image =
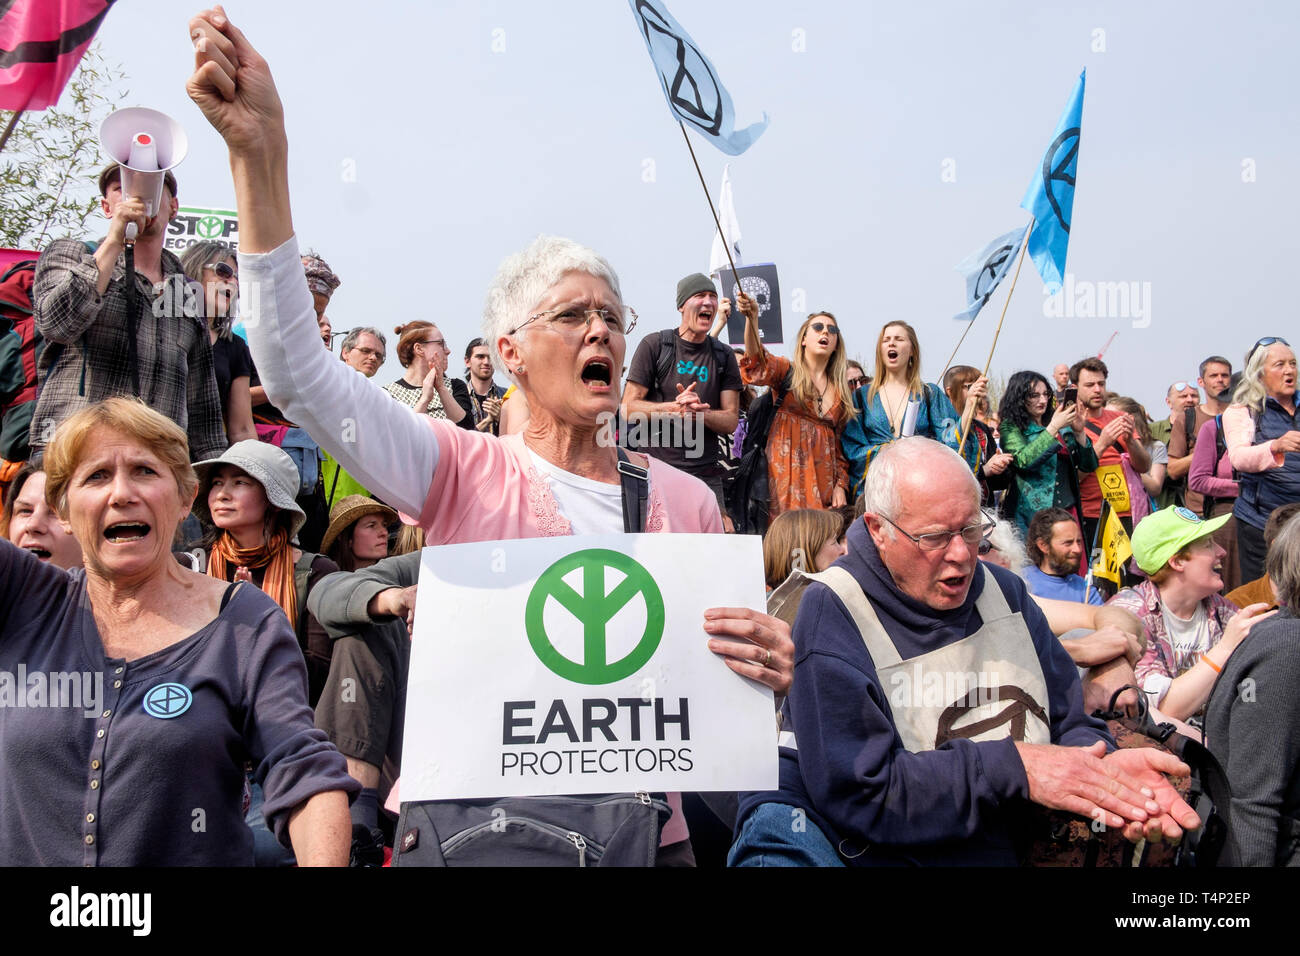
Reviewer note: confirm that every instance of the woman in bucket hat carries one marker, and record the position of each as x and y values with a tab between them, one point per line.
358	533
246	503
246	500
1191	628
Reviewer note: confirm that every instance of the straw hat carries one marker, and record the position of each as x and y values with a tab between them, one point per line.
351	509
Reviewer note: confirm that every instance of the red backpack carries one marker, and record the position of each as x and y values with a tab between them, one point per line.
20	348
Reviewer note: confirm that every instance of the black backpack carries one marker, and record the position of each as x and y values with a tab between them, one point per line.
1177	487
747	497
663	366
1220	449
668	354
1210	793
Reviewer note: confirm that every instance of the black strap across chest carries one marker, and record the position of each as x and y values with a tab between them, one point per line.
635	483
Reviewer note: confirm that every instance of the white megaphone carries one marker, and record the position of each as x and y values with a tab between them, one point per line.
146	144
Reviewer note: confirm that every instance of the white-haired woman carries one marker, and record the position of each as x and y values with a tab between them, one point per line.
1262	431
558	325
1004	547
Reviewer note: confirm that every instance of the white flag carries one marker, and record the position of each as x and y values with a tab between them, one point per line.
730	228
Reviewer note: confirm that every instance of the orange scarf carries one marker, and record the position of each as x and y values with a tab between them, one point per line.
276	555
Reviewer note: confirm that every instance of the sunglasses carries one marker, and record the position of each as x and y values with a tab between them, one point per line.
825	327
1265	343
223	269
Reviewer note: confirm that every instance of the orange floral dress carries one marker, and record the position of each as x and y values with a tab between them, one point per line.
805	463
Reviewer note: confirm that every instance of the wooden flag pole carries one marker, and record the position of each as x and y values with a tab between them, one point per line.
1019	262
947	365
716	221
13	121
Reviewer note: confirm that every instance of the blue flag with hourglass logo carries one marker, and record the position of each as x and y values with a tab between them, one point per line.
1050	196
690	83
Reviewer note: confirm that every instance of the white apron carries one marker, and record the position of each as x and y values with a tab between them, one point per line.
987	686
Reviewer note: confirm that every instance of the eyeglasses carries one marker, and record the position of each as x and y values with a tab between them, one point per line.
1265	343
441	343
1179	386
569	319
939	540
824	327
368	352
223	269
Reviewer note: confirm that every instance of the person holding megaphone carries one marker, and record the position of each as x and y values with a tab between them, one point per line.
109	310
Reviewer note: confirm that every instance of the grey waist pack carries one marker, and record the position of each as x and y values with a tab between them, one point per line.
618	829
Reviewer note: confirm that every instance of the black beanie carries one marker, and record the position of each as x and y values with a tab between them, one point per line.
694	283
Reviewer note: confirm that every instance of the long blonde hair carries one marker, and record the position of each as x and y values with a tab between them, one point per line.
1250	390
914	384
409	538
837	372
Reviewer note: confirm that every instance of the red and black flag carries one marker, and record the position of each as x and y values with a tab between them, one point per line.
41	42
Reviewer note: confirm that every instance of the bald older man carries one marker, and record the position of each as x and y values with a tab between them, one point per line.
931	701
1061	374
1182	397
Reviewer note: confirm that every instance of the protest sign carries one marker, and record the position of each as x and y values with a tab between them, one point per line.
200	224
1113	547
574	665
759	282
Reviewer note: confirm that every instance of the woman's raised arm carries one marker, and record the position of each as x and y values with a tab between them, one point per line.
376	439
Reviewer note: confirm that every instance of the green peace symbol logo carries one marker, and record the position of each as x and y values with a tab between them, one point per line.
595	609
209	227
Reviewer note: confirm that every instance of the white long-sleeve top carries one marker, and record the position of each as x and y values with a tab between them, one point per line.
380	442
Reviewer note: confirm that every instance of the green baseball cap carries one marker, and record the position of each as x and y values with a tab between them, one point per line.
1162	534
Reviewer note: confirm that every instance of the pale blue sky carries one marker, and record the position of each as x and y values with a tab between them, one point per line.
462	154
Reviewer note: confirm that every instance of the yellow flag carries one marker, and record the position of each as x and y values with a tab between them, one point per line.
1115	549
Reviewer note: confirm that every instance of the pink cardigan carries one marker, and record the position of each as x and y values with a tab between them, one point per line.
1239	434
1208	477
487	489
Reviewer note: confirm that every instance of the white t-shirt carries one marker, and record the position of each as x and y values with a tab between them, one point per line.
1189	639
591	507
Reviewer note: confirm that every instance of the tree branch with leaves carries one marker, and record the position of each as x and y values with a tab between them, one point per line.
48	167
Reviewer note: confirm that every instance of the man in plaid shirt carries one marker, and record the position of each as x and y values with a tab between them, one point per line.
80	300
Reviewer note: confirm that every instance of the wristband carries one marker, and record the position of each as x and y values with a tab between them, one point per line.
1217	668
